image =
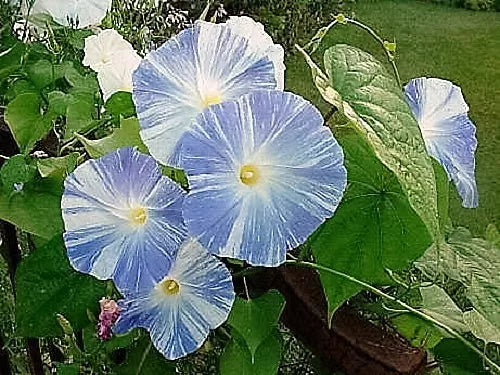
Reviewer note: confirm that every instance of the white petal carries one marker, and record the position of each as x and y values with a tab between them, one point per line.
100	49
117	75
87	12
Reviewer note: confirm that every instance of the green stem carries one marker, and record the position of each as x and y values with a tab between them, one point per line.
411	309
143	359
316	40
372	32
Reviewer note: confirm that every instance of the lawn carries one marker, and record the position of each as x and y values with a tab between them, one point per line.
436	41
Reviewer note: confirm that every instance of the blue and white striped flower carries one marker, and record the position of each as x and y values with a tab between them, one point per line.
183	305
449	134
201	66
123	218
264	174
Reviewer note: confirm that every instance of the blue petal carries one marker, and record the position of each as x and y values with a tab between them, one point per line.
179	324
449	134
100	237
302	176
172	84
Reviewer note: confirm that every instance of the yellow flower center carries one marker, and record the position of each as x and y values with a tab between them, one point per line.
138	215
249	174
209	100
170	287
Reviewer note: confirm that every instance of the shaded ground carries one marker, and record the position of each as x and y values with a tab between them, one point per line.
435	40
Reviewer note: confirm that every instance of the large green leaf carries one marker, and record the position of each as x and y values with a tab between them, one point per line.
79	115
26	121
439	305
58	102
443	194
36	208
120	104
126	135
475	263
16	172
237	360
481	327
362	89
81	109
10	59
457	359
60	166
419	332
255	319
41	73
94	345
144	359
374	227
46	285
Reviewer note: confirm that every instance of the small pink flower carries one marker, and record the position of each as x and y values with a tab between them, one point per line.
110	311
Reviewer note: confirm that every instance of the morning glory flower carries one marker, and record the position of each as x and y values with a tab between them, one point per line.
254	31
181	307
123	218
114	59
201	66
264	173
100	49
117	76
84	12
449	134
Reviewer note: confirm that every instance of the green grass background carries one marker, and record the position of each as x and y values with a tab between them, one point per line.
436	41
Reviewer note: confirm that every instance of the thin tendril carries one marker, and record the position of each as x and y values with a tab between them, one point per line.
246	288
316	40
372	32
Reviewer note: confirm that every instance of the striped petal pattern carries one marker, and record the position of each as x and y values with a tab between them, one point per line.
181	307
201	66
123	219
449	134
254	31
264	174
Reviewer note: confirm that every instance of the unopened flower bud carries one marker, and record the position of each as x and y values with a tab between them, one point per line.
110	311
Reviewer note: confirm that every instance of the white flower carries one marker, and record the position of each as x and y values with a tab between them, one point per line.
82	12
99	49
117	75
113	58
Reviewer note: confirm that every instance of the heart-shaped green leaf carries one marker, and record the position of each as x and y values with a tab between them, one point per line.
126	135
256	318
237	360
46	285
36	208
26	121
362	89
374	227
